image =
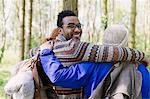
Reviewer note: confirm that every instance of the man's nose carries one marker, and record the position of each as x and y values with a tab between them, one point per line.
77	30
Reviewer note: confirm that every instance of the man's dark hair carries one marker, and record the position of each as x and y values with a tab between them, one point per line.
63	14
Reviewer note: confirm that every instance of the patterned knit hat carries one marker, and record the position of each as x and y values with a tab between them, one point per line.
116	35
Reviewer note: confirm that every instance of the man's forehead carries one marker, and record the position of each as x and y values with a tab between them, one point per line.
71	19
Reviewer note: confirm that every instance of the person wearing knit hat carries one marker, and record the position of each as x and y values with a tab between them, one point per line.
117	35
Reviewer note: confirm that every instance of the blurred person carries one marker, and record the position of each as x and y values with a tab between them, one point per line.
120	77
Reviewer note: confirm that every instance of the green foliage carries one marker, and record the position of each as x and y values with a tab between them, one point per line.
35	42
104	22
4	76
10	58
149	68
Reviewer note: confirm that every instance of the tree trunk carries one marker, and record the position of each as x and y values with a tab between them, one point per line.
148	3
133	23
105	14
88	23
112	12
71	5
40	20
22	30
3	42
29	29
146	25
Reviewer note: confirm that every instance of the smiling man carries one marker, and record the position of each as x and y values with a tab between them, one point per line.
84	74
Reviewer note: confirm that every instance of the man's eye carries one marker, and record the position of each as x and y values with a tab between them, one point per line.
71	26
79	25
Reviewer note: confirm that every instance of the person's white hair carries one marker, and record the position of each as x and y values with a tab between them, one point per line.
116	35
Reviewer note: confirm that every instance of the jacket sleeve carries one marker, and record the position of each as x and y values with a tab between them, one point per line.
74	51
72	77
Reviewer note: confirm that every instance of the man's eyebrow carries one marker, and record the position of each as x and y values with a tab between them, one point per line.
71	23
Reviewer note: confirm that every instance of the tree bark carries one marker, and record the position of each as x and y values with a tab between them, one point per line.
40	20
71	5
133	23
105	14
29	29
22	30
2	49
146	25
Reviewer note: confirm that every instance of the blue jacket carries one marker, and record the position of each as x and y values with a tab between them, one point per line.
145	81
84	74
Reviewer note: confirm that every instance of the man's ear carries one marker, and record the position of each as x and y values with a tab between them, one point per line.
60	30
